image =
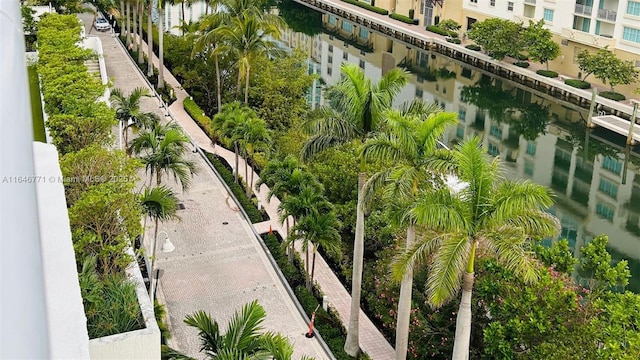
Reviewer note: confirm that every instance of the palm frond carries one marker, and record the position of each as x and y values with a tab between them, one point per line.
244	327
446	269
438	210
208	331
425	246
512	248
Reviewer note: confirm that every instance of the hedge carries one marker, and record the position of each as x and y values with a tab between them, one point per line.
613	95
454	41
404	19
474	47
547	73
328	324
252	211
368	7
198	115
522	64
521	57
577	83
438	30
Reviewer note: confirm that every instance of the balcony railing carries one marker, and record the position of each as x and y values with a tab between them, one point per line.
608	15
588	39
583	9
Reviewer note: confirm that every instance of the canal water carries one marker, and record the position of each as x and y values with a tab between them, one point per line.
596	178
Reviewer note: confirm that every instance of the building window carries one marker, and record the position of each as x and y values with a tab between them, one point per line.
548	15
419	79
444	89
608	188
364	33
633	8
492	3
495	131
631	34
330	48
332	20
345	55
528	167
329	70
437	87
330	59
531	148
462	113
419	93
460	132
347	26
604	211
362	64
613	165
509	6
473	1
493	150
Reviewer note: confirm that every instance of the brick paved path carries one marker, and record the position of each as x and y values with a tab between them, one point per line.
218	264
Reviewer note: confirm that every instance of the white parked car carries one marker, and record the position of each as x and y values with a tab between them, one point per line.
102	24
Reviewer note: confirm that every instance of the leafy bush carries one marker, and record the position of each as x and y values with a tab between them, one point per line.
577	83
454	40
199	116
404	19
522	64
249	207
521	57
368	7
474	47
547	73
438	30
613	95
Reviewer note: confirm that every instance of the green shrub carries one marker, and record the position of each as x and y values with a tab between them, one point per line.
613	95
474	47
404	19
576	83
522	64
198	115
438	30
249	207
547	73
521	57
412	12
368	7
454	40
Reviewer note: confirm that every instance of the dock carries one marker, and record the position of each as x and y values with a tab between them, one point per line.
618	125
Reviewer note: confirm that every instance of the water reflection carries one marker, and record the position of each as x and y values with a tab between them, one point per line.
538	137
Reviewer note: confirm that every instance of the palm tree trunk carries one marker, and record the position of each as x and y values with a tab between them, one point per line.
251	182
135	25
158	178
206	7
291	248
404	304
235	173
121	20
246	86
125	133
352	346
150	40
153	261
306	268
160	46
239	85
140	25
183	22
128	23
246	171
463	319
313	266
218	84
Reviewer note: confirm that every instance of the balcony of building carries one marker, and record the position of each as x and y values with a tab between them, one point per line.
583	37
607	10
584	8
532	2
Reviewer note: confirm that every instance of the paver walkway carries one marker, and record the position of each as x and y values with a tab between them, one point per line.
218	264
371	340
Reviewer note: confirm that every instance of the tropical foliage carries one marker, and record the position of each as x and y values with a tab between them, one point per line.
607	67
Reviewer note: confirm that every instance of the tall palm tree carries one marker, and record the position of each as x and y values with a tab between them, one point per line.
140	4
229	123
356	106
409	142
128	16
134	20
128	111
318	229
243	339
150	38
160	44
209	42
163	150
247	38
497	215
254	137
160	204
286	178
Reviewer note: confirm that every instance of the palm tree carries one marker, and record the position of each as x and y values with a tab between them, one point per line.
247	38
159	204
162	150
357	104
150	38
160	44
409	142
128	111
243	339
229	123
498	215
140	4
319	229
210	42
286	178
255	137
134	20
